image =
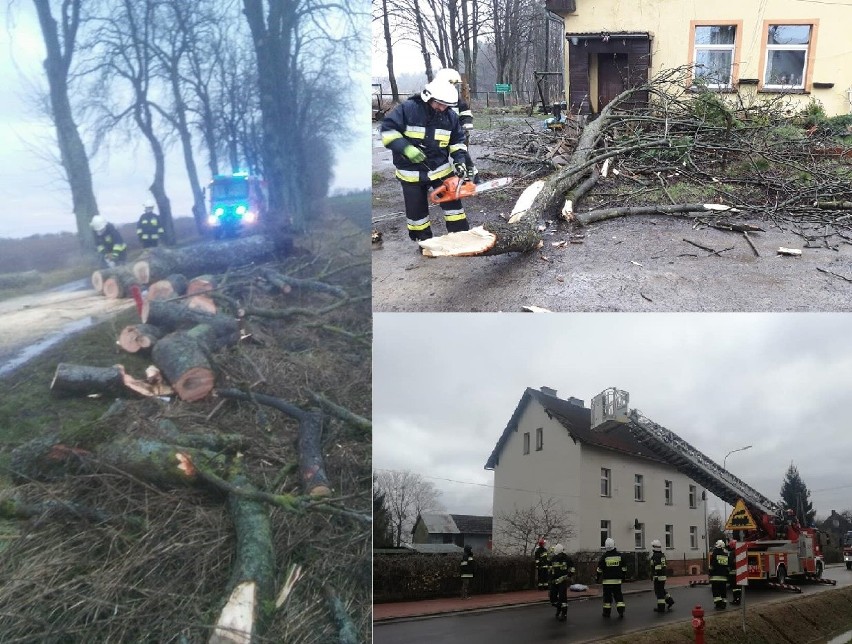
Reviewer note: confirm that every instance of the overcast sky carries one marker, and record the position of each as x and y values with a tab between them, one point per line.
35	197
445	386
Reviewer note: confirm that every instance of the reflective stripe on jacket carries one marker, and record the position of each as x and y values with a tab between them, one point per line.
612	567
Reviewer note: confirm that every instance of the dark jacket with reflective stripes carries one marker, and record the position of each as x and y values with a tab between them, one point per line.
466	565
110	241
561	568
612	567
148	226
542	558
719	565
658	566
465	115
437	134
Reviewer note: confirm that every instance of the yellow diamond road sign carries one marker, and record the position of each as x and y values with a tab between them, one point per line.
740	518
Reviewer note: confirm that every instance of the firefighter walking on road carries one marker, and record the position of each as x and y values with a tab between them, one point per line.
428	146
542	565
719	570
612	568
466	571
148	228
561	570
658	568
736	591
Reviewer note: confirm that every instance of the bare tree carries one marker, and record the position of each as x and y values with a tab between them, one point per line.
60	41
715	528
386	30
521	528
406	495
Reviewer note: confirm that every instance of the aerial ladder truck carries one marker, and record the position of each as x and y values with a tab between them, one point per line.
779	549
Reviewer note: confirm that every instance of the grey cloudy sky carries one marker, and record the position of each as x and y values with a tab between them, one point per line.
33	193
445	385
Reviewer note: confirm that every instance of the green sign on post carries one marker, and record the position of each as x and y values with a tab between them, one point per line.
503	88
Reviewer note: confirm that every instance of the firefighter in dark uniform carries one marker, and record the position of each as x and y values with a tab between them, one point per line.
542	564
719	570
466	571
612	569
561	571
148	228
736	591
465	117
108	242
428	146
658	568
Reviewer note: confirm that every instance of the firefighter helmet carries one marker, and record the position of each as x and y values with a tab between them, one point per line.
720	544
609	544
148	205
542	542
98	224
656	545
558	549
448	74
440	91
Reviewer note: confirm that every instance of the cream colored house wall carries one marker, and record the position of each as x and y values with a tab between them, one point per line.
669	24
570	472
521	480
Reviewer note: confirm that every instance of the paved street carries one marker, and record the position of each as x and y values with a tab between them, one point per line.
536	622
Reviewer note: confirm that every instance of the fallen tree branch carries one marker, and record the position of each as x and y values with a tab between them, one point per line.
345	628
823	270
364	424
592	216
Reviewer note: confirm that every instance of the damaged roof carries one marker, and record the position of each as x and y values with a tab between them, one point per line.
576	420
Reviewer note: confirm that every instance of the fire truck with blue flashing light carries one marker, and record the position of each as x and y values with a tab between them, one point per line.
237	204
779	549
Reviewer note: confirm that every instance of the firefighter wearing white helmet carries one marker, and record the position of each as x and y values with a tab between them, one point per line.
108	242
612	568
428	146
658	572
719	570
561	571
465	116
148	227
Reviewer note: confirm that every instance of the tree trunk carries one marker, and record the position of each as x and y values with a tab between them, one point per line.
172	286
118	284
81	380
175	315
389	49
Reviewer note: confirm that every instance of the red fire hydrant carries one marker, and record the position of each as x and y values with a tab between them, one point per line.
698	624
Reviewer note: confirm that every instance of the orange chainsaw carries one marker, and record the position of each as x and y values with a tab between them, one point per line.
455	187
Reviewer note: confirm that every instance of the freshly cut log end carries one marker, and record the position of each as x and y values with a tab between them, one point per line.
139	337
236	621
202	303
195	383
201	284
475	241
182	361
118	285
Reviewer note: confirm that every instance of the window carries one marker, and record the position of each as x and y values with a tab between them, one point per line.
693	496
669	536
539	439
786	56
714	55
604	532
526	442
605	482
639	488
639	536
693	537
669	493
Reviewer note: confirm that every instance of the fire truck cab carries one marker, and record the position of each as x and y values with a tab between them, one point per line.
237	204
847	550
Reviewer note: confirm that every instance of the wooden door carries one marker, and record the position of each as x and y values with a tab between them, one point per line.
612	77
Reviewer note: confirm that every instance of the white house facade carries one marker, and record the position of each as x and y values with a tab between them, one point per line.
609	485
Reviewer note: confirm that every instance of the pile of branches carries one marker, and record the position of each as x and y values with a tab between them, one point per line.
109	551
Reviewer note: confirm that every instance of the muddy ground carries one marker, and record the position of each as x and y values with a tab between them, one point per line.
639	263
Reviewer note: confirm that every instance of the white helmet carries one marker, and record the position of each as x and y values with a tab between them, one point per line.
719	544
148	205
558	549
609	544
656	545
441	91
448	74
98	223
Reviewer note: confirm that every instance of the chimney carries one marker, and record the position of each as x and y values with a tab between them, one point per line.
548	391
576	401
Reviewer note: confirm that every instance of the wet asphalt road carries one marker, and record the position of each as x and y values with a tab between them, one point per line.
537	623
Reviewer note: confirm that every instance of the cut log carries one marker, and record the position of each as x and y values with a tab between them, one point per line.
207	257
81	380
586	218
203	303
139	337
181	356
236	621
101	275
173	316
201	284
117	286
165	289
494	238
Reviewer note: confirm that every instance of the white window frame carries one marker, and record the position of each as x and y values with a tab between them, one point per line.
669	492
639	537
693	496
669	536
638	487
716	47
539	439
526	443
771	48
606	482
693	537
606	531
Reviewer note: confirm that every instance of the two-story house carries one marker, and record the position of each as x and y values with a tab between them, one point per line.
606	482
764	49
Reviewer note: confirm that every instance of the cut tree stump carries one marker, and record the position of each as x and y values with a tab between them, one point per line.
198	259
139	337
165	289
118	284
